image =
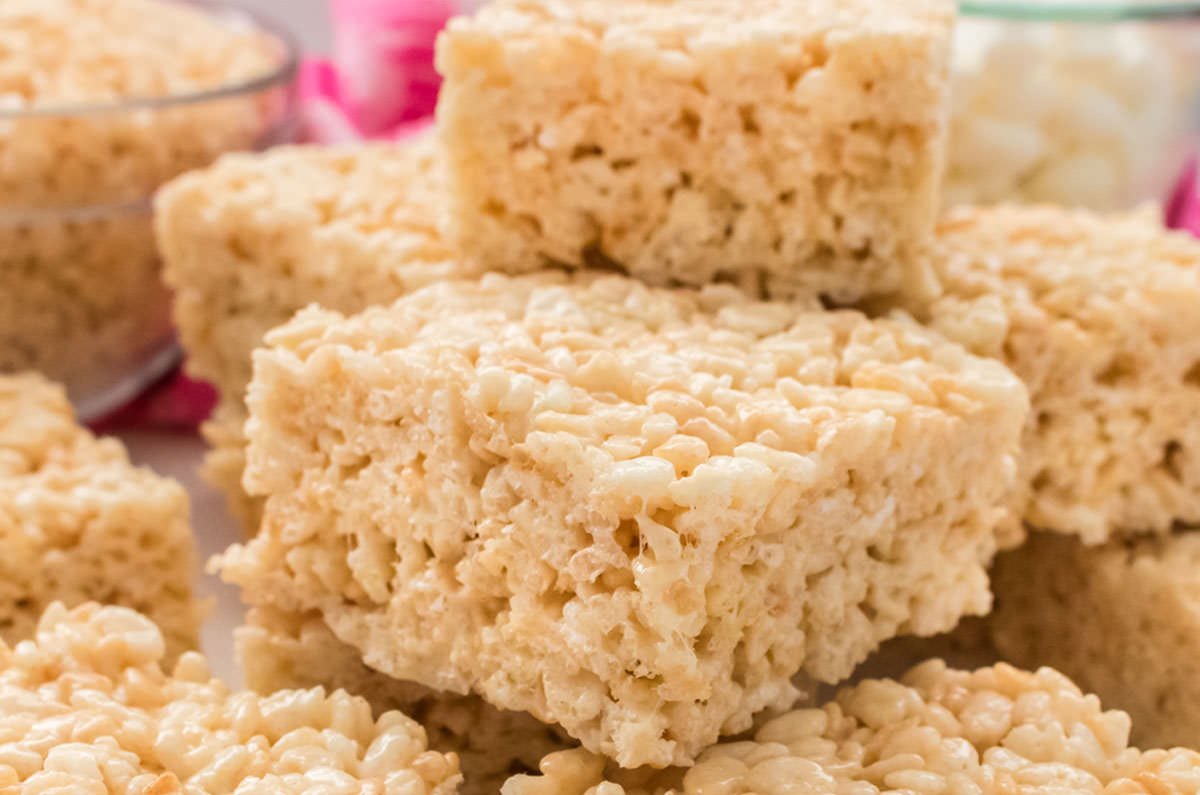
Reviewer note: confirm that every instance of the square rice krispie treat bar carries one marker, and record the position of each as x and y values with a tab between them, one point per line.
90	709
78	522
295	651
632	512
253	239
1098	315
787	146
1122	619
996	730
81	298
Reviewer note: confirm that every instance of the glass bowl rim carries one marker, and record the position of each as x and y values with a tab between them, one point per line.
283	73
1062	11
1066	11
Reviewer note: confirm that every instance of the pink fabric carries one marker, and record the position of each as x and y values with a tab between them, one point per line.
380	83
1183	208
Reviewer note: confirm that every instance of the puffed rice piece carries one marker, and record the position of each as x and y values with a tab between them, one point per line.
632	512
1097	314
88	708
255	238
793	147
1121	619
291	651
78	522
995	731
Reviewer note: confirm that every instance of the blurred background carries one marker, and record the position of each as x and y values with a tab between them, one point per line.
308	19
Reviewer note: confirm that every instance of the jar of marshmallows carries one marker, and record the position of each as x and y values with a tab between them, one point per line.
102	101
1090	104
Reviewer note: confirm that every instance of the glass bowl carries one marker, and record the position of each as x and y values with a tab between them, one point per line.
1087	104
81	294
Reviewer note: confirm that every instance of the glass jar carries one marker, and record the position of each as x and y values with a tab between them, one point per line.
1089	104
81	294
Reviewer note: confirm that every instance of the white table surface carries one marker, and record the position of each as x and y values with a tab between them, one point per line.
179	456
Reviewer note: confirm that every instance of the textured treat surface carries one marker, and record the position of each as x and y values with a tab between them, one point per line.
88	708
79	523
1097	315
793	147
253	239
632	512
289	651
1122	619
995	731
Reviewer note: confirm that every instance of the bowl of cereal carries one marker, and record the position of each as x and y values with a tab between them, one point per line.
101	102
1089	104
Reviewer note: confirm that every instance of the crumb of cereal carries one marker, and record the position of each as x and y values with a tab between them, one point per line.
1097	314
78	522
790	147
292	651
630	511
995	730
90	708
253	239
1120	619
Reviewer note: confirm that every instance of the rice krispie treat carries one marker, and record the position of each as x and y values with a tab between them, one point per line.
794	147
81	298
632	512
996	730
78	522
255	238
1122	619
291	651
1097	314
89	708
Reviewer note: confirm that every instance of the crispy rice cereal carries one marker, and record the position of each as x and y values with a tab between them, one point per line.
61	54
89	709
787	146
1122	619
78	522
80	293
280	650
1097	314
632	512
81	298
255	238
992	732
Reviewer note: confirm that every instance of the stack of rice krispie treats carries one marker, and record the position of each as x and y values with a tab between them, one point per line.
593	425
